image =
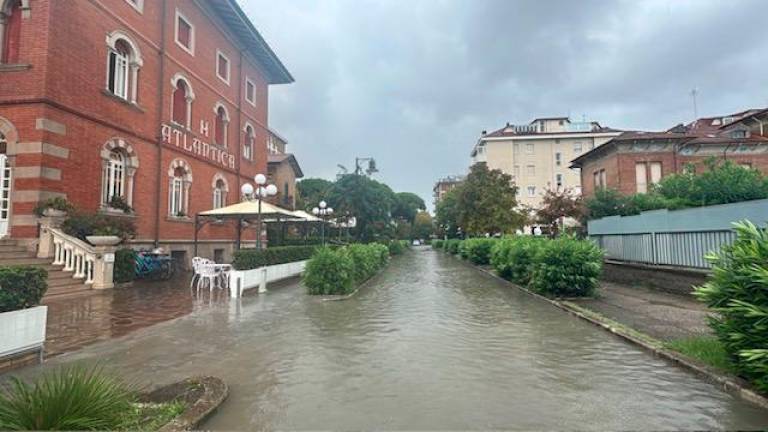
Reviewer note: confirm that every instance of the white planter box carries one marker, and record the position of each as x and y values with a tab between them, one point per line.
22	330
240	281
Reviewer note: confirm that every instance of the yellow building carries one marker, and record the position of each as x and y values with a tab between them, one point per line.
538	155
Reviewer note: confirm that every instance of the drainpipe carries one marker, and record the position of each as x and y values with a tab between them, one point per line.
161	107
238	149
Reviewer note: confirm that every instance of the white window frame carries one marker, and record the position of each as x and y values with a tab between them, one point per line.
132	63
529	148
558	158
137	4
120	81
247	82
176	200
530	170
191	48
114	178
531	191
249	144
225	137
220	54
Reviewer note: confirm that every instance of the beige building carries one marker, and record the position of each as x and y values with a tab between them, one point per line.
538	155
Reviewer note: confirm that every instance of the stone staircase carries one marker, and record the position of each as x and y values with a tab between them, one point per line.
60	283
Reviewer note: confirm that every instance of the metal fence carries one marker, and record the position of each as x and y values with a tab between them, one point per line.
680	238
680	249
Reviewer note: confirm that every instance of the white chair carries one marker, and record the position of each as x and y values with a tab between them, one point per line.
196	263
207	273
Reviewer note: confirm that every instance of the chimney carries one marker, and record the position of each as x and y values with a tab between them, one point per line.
484	132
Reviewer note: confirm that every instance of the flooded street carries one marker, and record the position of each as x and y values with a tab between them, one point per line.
429	344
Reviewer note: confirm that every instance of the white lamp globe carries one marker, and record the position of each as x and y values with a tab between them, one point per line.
271	190
260	179
323	204
246	189
315	211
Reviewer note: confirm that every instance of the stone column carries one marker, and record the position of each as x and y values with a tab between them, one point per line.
45	246
104	267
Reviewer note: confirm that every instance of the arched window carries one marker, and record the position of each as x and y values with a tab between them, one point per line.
221	125
119	164
10	30
249	139
181	101
123	64
180	180
220	189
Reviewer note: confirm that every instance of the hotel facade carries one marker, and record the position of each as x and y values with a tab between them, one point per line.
158	104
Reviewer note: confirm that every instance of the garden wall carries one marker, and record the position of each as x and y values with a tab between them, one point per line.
679	238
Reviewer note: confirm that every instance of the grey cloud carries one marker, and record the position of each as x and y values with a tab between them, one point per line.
412	83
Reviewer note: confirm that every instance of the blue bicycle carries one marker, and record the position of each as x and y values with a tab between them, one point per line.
154	265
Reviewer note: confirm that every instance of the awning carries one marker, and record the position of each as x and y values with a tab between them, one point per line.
247	209
306	216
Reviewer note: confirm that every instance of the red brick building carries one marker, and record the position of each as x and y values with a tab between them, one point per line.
161	104
633	161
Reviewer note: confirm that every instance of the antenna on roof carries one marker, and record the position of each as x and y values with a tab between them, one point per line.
695	92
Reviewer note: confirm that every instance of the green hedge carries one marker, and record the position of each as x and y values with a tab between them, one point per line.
339	271
513	258
125	265
247	259
738	294
478	250
21	287
437	244
452	246
397	247
567	267
564	267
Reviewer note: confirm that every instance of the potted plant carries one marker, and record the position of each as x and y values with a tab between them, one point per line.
119	203
53	207
22	319
104	236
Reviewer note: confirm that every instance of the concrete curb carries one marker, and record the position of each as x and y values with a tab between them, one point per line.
729	383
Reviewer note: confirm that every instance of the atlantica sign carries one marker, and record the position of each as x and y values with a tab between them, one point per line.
182	140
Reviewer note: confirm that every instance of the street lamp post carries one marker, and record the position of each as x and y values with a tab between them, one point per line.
262	190
322	211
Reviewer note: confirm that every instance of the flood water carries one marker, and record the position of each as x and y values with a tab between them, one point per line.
430	344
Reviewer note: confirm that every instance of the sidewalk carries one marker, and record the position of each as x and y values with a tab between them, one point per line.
659	314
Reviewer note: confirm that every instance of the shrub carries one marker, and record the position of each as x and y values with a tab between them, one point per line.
478	250
70	398
82	225
247	259
452	246
21	287
329	272
396	247
513	257
738	292
437	244
57	203
119	203
125	265
566	267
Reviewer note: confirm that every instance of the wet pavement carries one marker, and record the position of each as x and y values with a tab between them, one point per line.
431	343
663	315
76	322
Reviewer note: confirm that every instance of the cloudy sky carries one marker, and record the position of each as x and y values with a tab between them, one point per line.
413	82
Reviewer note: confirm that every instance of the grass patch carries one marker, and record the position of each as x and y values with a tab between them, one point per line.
151	416
706	349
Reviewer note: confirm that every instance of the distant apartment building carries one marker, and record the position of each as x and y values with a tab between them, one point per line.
633	161
282	170
537	155
444	185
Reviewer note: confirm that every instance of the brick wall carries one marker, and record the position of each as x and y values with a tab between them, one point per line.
63	115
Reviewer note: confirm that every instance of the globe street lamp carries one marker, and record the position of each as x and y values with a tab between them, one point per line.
261	191
322	211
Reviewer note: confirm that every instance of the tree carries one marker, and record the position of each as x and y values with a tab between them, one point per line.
369	201
311	192
556	205
422	226
406	206
486	202
447	213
